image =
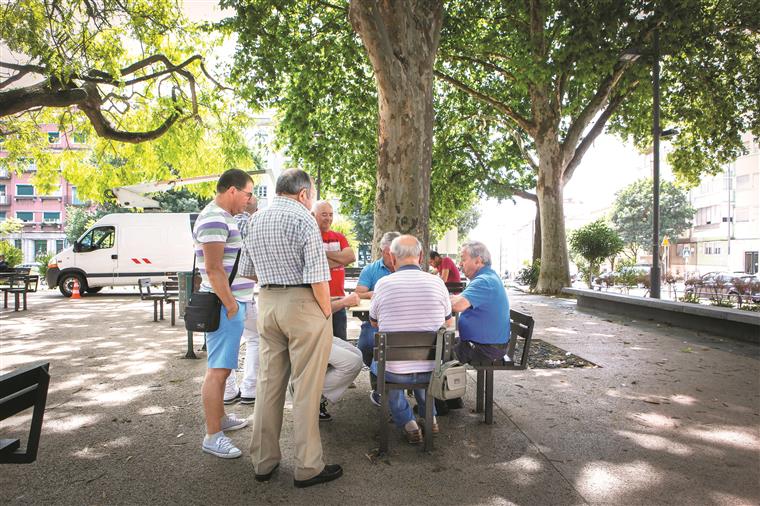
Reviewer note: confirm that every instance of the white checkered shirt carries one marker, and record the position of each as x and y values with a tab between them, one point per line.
283	246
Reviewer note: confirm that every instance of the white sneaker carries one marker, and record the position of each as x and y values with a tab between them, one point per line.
232	422
222	448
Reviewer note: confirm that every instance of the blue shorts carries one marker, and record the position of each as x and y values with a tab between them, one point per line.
223	344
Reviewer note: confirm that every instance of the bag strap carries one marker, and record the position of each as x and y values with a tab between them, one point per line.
233	273
439	349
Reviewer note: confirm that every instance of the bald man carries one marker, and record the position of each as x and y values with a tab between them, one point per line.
339	255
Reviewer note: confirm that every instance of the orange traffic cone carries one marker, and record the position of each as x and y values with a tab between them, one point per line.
75	290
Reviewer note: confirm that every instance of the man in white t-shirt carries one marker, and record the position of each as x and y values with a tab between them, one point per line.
408	300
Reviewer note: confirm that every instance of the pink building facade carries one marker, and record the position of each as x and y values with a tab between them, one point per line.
44	216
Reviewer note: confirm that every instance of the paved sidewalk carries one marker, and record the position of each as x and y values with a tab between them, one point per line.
668	417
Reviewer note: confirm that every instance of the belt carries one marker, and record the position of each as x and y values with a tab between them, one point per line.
285	286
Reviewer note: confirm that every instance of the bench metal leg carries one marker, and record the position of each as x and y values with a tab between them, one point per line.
5	302
190	353
429	402
489	397
155	310
15	301
24	301
161	305
384	414
479	391
173	320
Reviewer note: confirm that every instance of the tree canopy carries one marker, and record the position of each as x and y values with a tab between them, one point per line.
126	82
524	88
632	213
593	243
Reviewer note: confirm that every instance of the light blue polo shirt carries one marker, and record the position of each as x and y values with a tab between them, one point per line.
487	320
372	273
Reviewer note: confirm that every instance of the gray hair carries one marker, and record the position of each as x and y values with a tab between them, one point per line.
477	249
387	239
320	203
292	181
412	250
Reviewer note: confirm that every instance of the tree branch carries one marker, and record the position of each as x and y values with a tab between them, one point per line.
485	64
585	144
523	123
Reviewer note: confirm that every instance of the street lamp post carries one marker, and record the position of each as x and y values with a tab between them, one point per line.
654	291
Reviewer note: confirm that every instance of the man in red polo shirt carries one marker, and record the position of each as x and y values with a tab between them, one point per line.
447	269
339	254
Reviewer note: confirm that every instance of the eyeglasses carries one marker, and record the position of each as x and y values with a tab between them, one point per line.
250	194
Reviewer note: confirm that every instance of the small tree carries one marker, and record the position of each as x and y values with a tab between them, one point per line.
12	255
11	226
632	214
593	243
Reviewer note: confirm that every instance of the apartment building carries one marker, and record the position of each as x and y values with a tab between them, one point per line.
725	235
43	216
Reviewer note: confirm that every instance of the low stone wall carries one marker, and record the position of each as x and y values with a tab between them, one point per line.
727	322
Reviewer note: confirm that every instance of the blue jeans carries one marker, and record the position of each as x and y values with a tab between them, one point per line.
367	342
401	411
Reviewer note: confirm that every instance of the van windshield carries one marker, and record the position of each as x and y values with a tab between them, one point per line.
97	238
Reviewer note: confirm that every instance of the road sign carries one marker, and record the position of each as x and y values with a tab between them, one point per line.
686	253
665	241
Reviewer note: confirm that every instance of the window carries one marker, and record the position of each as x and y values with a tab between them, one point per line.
59	245
27	164
24	190
75	198
260	191
2	215
2	189
25	216
51	217
79	138
54	137
40	247
17	243
97	238
712	248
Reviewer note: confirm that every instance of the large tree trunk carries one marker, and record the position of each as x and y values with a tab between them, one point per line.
401	38
537	234
555	272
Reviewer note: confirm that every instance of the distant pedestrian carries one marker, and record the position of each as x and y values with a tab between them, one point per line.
447	269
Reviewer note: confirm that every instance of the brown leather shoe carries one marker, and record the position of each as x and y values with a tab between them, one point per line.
421	423
413	437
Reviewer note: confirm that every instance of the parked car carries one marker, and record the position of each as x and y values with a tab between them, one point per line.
750	287
628	275
717	285
34	267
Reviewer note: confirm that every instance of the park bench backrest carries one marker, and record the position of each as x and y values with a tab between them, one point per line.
521	328
456	286
353	272
21	389
390	346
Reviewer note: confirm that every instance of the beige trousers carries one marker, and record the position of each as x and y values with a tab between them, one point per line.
295	341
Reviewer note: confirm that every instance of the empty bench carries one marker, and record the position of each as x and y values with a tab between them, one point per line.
21	389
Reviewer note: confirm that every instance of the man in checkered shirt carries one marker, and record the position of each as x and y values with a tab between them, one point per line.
283	250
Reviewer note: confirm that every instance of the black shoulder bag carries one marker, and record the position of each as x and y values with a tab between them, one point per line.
203	311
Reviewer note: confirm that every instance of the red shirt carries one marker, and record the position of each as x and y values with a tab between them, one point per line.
335	241
447	263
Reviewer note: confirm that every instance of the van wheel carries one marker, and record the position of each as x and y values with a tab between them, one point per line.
94	289
66	284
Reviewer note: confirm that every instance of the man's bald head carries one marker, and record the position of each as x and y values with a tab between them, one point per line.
323	212
406	250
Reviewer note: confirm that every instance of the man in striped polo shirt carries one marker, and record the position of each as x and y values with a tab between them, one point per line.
408	300
217	243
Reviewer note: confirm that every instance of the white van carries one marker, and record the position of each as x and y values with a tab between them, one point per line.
121	248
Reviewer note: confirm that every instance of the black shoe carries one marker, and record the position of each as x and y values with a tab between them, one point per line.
233	400
441	408
324	416
248	400
329	473
266	477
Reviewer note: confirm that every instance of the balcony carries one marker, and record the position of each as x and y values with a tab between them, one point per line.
5	174
4	200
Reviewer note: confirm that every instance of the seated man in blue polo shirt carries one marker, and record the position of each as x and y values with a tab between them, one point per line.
370	275
484	309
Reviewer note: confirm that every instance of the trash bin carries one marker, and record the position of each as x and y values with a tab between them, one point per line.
185	284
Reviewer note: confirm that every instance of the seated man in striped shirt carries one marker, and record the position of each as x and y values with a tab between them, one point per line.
408	300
